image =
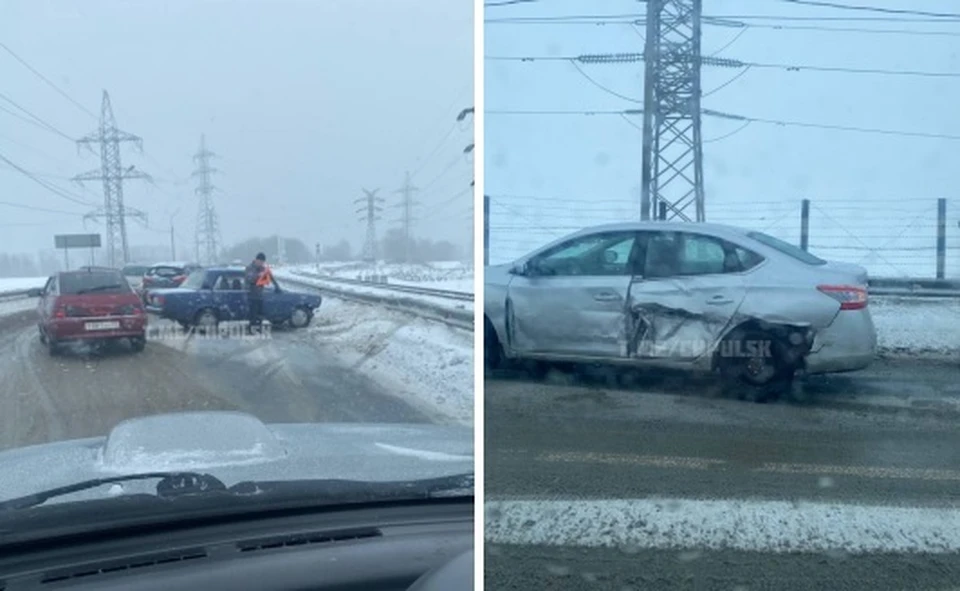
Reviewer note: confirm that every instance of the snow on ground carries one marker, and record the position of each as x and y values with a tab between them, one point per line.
449	275
748	525
9	307
917	326
21	283
435	301
429	364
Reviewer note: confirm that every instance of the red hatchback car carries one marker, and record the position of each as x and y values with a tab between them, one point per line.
93	304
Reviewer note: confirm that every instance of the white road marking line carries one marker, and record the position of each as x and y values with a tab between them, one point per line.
638	460
864	471
755	526
694	463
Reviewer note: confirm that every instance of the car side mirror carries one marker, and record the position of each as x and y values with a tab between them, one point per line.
520	269
36	292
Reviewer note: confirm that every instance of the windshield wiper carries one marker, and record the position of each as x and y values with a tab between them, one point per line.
180	484
98	288
171	484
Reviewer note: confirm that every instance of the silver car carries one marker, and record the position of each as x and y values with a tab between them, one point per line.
702	297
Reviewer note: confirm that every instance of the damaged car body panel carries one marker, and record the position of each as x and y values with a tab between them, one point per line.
678	294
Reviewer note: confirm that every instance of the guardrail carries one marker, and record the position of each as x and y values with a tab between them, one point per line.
427	291
15	294
461	318
916	288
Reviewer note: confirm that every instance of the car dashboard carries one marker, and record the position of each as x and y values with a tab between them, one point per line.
416	547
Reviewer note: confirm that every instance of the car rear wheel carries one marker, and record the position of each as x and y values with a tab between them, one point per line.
207	320
300	318
52	347
492	349
753	366
43	337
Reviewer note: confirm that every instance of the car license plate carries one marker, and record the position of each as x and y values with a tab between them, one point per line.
102	325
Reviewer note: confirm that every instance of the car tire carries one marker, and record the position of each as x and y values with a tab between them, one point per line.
492	349
43	337
206	320
138	344
52	347
756	378
300	318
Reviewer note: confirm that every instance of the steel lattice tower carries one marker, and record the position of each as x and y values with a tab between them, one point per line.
370	213
672	151
112	174
406	219
208	226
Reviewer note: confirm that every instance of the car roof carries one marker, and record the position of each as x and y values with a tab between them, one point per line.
174	264
89	269
661	226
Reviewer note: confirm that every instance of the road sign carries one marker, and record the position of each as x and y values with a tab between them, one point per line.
77	241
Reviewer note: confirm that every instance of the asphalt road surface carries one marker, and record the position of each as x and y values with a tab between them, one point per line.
290	377
663	485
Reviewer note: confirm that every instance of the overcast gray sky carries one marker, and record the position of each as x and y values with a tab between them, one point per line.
305	102
874	194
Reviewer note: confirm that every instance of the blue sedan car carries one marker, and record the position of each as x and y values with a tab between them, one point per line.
210	296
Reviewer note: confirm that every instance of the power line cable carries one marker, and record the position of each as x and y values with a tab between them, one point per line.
628	57
42	209
718	114
877	9
53	189
47	80
39	120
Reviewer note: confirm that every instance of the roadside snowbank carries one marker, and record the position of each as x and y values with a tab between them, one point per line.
450	275
429	364
20	283
434	301
917	327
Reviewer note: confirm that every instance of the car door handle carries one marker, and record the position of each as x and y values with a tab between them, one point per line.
606	297
719	300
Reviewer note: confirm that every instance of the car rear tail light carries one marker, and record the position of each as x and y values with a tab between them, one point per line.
131	310
179	278
60	312
849	296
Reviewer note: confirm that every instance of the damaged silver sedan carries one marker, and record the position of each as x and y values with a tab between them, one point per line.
702	297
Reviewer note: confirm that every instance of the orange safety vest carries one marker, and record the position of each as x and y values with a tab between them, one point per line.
265	277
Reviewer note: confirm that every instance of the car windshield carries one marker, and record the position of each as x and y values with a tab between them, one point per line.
721	294
786	248
99	282
148	149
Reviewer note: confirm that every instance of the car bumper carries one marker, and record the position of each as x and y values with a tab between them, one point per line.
849	343
70	329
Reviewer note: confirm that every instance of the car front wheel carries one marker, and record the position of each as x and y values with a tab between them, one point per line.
300	318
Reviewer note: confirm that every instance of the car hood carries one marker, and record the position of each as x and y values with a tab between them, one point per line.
237	447
497	274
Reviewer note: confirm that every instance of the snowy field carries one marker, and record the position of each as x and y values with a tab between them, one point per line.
929	327
449	275
20	283
435	301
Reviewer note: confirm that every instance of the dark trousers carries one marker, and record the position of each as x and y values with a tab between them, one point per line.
256	311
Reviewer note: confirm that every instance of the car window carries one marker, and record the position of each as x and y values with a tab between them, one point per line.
747	258
93	282
596	254
679	254
166	271
194	280
229	282
786	248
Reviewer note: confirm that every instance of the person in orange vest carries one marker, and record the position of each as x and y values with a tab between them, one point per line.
257	276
